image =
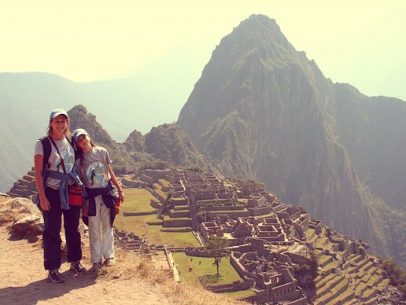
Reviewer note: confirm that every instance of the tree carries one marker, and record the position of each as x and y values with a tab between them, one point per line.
217	247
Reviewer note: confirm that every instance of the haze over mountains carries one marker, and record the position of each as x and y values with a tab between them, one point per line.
120	105
167	143
260	110
263	110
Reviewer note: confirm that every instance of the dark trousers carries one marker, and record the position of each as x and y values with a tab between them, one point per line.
52	228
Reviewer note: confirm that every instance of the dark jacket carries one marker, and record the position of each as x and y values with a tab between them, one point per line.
109	200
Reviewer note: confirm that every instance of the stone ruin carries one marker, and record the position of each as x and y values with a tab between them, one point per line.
24	187
131	242
267	238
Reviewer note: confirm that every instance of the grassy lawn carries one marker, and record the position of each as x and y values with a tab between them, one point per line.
341	285
137	224
368	293
164	182
375	278
333	264
177	239
158	189
137	200
383	284
360	288
323	258
181	208
168	218
324	280
321	242
341	297
206	268
310	233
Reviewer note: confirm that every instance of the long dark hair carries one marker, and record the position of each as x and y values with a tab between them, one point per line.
79	152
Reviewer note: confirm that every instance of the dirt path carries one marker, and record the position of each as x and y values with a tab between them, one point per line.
23	281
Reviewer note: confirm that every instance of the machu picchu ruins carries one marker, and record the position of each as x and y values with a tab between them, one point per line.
280	254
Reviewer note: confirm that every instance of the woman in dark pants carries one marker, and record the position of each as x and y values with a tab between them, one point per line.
54	161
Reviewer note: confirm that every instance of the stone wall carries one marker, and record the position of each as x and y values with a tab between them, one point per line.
260	211
177	222
156	173
134	184
156	194
234	286
284	292
233	214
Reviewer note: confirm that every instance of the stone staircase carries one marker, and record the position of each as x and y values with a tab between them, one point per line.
24	187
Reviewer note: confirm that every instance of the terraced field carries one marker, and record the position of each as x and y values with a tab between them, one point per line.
149	226
357	280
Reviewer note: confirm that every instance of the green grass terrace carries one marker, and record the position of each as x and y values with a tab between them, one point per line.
204	269
149	226
137	200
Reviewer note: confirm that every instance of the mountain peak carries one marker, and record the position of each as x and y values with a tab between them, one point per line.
258	21
79	108
262	32
81	118
254	49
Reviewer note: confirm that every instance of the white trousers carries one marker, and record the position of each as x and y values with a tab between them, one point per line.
101	233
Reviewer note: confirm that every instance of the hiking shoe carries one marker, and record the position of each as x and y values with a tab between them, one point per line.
96	268
55	277
109	262
77	267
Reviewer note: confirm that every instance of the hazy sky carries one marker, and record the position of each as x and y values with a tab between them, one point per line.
362	42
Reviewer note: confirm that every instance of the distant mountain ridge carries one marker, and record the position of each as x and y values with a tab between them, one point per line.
121	105
263	110
165	143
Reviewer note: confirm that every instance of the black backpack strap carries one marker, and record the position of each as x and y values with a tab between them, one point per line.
46	146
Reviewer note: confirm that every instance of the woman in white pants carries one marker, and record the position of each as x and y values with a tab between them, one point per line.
98	177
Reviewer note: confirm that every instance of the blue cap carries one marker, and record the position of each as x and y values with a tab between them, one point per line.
56	112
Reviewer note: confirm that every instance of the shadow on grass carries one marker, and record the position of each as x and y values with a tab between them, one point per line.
208	279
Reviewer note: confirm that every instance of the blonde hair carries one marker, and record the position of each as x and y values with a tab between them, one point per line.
67	131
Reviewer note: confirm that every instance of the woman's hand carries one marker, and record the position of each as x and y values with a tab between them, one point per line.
44	203
121	195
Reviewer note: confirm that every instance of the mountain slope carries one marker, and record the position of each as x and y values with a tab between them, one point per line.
170	143
26	101
372	131
263	110
121	105
166	143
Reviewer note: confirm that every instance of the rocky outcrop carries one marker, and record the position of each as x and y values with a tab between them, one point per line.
22	217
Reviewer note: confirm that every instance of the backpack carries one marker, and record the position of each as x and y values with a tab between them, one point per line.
46	146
